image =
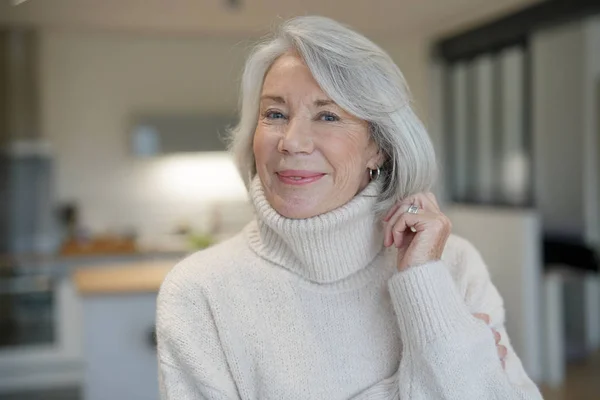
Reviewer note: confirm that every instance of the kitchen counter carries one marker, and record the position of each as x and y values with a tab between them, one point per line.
131	277
60	266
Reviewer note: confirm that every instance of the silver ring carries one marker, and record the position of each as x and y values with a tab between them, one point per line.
413	209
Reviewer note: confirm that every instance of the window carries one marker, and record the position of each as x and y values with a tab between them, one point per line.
485	111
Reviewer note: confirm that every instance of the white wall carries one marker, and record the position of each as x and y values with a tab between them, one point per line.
92	83
512	253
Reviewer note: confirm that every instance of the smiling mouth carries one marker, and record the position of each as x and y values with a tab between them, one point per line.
299	177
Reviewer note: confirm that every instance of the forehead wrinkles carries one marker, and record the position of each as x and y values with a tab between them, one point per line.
290	80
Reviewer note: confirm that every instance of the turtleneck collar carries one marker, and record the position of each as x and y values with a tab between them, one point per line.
322	249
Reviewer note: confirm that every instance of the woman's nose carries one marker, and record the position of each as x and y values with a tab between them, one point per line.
296	138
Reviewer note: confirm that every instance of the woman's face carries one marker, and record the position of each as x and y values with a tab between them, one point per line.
311	155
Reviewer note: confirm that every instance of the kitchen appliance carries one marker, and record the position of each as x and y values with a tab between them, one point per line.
163	134
39	321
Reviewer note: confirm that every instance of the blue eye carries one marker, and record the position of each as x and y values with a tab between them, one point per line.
328	117
274	115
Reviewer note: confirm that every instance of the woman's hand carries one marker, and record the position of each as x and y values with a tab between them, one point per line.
502	350
430	232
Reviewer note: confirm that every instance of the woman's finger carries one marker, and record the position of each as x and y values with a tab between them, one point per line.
407	221
419	222
433	201
393	226
484	317
399	231
430	230
389	225
502	351
428	202
424	219
497	336
423	201
391	212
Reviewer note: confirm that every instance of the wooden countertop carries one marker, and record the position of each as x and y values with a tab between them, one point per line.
131	277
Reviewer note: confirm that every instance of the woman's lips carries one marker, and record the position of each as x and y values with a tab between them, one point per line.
296	177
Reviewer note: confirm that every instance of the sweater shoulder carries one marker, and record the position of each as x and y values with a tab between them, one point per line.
212	266
472	278
464	260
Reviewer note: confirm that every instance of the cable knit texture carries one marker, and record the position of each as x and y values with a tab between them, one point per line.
315	309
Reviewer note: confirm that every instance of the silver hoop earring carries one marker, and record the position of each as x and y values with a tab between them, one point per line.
374	173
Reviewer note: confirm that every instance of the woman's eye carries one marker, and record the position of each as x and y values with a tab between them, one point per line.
274	115
328	117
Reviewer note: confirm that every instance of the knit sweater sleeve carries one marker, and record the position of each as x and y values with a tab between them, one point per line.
192	363
448	353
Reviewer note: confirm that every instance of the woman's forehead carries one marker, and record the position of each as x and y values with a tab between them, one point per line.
289	78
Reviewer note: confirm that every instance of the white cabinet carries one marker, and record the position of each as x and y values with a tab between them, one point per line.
119	353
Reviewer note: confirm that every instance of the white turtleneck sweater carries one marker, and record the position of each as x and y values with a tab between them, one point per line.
316	309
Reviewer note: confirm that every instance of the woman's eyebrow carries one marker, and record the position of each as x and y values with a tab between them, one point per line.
324	102
276	99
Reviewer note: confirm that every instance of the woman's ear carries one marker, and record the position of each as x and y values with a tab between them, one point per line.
376	161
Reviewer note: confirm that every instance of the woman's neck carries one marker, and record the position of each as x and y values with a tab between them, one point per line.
323	249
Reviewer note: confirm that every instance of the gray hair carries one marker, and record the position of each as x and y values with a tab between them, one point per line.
362	79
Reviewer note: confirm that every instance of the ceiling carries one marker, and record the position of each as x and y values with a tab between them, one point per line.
252	17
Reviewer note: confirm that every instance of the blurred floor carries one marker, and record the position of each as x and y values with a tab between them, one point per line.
582	383
55	394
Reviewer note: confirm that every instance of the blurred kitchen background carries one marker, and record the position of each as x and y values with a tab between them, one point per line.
113	167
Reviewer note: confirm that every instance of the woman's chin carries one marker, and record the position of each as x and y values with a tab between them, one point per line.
298	213
298	209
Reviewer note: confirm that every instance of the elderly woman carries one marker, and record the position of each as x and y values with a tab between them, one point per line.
348	284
